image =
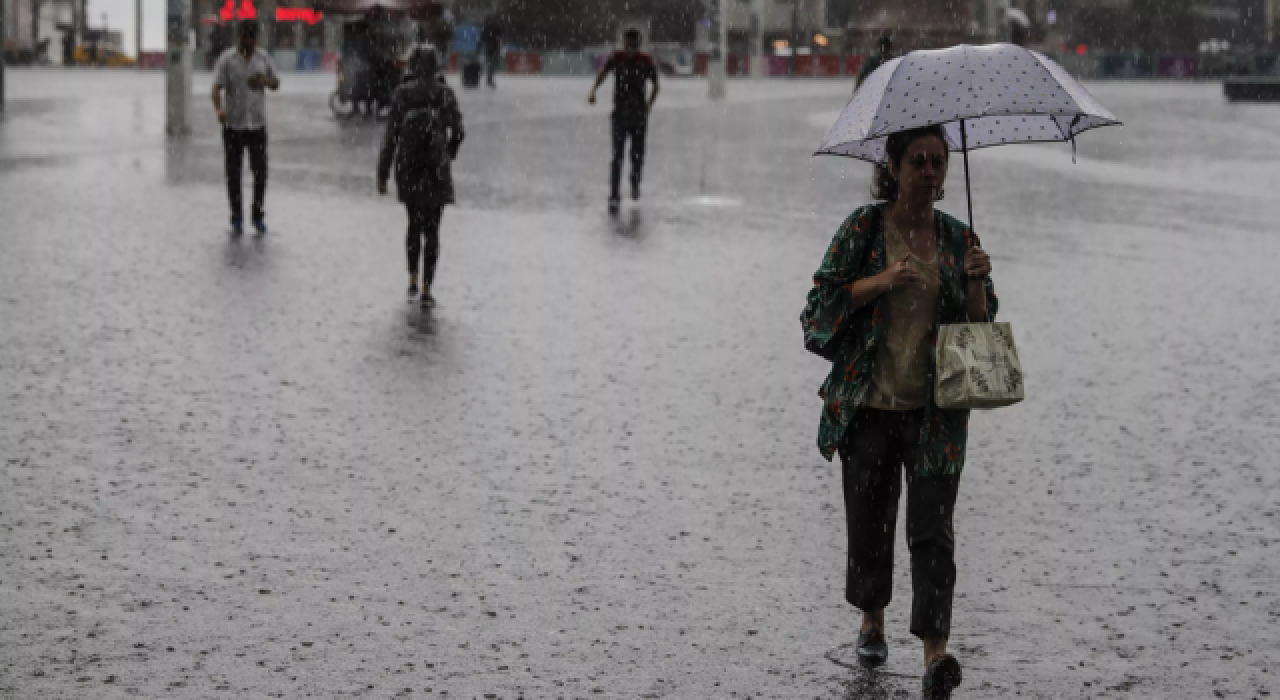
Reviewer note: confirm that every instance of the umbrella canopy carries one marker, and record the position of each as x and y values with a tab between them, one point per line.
983	95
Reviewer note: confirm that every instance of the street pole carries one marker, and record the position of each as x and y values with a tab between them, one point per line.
795	40
3	11
1271	13
177	69
137	33
757	39
718	58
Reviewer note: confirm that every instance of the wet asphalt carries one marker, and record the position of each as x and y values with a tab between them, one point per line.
247	468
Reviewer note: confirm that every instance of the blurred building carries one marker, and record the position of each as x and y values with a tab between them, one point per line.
913	24
45	31
1165	26
784	24
1271	21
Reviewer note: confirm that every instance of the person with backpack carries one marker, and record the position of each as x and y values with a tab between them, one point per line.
423	134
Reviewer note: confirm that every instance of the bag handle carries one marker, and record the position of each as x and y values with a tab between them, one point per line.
966	278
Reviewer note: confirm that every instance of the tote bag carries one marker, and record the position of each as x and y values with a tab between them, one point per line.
977	367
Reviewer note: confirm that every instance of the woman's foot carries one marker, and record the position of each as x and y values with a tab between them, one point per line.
940	678
872	649
413	286
427	300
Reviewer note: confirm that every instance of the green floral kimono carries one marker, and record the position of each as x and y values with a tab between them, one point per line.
849	337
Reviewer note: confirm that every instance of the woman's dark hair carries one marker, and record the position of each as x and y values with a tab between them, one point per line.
883	186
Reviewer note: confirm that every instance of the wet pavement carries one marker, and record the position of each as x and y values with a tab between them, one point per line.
247	468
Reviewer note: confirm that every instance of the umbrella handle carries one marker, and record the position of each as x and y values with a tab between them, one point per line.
968	194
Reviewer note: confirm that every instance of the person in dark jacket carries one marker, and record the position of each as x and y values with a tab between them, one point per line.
491	44
874	61
423	134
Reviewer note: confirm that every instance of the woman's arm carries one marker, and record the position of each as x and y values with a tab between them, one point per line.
866	290
453	121
838	292
389	142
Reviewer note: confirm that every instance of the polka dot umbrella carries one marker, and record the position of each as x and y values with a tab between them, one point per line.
982	95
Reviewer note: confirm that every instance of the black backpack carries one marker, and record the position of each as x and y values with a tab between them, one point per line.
422	149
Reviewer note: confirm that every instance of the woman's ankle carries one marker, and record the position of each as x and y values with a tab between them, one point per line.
934	649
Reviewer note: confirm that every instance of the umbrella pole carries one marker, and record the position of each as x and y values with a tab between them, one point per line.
968	195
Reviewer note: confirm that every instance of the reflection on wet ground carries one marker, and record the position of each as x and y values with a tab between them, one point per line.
248	466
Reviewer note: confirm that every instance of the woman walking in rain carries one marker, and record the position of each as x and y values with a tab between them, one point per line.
424	132
895	271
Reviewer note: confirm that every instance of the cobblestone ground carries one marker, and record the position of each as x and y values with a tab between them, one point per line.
247	468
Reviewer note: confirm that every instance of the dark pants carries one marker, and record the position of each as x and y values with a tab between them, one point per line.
491	61
423	238
624	128
234	143
881	444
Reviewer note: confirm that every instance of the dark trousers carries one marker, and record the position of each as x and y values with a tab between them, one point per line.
882	443
491	61
624	128
423	238
234	143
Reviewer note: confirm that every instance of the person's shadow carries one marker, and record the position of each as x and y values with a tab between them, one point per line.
868	684
629	224
422	322
245	250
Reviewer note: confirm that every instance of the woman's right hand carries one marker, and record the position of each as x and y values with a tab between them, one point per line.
900	274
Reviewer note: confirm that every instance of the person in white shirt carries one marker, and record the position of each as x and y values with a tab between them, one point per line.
243	72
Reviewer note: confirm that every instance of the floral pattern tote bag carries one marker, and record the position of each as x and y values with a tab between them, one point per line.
977	367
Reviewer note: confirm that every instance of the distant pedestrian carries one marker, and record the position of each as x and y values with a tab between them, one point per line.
423	134
632	70
883	55
895	271
242	73
491	44
439	31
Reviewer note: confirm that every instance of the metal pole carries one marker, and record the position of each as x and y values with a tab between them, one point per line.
757	39
968	194
137	33
791	60
716	64
3	11
177	69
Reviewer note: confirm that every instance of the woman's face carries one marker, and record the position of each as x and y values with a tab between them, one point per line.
922	171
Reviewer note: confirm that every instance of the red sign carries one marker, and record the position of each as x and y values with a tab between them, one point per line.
152	59
824	66
738	65
283	14
298	14
853	64
247	10
523	62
